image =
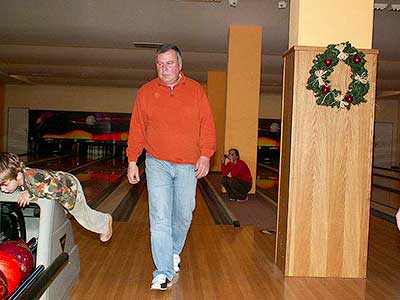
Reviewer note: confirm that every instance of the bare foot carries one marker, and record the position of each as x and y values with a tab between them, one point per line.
105	237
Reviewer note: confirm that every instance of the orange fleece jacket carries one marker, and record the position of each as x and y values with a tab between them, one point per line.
172	124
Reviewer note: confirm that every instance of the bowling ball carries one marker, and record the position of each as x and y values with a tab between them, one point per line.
90	120
20	251
11	269
3	286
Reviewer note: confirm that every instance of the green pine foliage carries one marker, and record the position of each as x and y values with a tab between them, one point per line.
324	64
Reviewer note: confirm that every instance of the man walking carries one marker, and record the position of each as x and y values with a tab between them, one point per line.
172	120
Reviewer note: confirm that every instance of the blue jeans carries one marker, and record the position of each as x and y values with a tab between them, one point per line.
172	193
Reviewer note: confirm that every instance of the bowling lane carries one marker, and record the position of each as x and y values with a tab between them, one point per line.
385	193
98	176
99	179
201	214
36	158
61	163
268	181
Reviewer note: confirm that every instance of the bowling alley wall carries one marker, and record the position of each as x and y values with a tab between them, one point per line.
73	98
120	100
60	98
388	111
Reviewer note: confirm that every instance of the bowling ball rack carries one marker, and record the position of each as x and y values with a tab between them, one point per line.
33	287
51	240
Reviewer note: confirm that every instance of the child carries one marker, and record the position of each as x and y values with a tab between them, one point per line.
63	187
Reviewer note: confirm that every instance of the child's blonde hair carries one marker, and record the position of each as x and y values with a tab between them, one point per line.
10	165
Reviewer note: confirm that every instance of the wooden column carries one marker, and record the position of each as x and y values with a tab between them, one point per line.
216	87
325	174
243	93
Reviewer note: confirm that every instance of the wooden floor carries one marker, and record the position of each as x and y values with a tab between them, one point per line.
222	262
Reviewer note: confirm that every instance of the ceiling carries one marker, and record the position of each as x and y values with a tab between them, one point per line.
91	42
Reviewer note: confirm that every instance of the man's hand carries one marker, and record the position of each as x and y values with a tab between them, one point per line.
133	173
23	199
398	218
202	167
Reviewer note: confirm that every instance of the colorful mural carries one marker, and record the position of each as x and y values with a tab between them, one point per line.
97	126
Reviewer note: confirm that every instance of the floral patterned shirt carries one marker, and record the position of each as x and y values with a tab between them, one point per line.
53	185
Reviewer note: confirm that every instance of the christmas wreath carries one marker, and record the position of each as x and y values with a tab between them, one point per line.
322	68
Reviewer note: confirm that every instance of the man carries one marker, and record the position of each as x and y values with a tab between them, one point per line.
172	120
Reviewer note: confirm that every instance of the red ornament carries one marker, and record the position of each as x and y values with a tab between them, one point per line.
20	251
328	61
348	98
356	59
325	89
11	269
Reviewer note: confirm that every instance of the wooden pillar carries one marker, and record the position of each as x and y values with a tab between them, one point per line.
326	153
216	87
243	93
2	112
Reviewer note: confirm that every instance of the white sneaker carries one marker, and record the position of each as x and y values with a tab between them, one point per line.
177	263
243	200
160	282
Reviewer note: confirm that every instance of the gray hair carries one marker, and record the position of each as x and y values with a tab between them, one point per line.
166	47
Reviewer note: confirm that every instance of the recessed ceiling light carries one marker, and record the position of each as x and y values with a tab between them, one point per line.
394	7
380	6
282	4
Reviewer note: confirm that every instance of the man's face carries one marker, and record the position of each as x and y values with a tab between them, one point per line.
9	186
168	68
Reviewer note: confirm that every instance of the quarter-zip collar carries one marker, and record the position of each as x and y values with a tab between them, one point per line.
181	80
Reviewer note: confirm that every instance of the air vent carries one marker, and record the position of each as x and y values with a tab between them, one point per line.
147	45
41	74
216	1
